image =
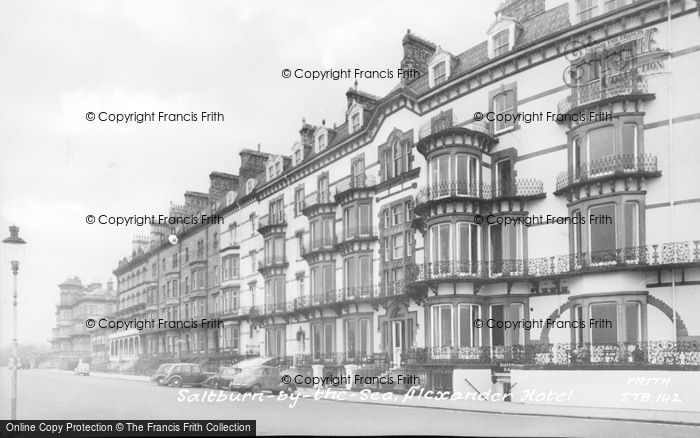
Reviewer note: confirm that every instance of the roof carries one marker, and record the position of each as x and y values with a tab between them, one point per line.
533	29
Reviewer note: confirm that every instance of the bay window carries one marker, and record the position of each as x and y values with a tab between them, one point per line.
468	247
602	235
469	336
466	174
322	339
322	282
441	325
441	247
275	342
357	337
440	176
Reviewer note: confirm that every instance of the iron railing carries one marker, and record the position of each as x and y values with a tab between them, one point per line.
272	219
683	353
448	119
364	180
358	232
634	257
598	90
272	260
323	243
335	296
525	188
318	198
607	166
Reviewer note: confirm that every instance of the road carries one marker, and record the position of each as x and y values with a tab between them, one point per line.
49	394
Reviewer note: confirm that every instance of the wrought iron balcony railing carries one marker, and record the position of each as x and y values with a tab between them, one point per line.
319	244
666	254
611	166
358	233
448	120
520	188
598	91
272	219
320	197
272	260
659	353
365	180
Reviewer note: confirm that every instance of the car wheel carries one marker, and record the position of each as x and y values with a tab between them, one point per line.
256	388
159	381
176	382
214	384
290	389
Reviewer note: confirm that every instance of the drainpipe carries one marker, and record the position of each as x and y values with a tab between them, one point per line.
671	165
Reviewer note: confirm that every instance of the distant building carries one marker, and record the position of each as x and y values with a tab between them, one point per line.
71	340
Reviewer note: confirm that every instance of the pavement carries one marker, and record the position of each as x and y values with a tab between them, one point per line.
510	408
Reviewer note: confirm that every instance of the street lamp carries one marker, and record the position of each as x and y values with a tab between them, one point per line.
14	250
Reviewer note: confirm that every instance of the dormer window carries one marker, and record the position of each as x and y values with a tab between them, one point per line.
355	118
321	141
355	122
230	197
500	43
274	168
439	73
297	156
502	36
249	186
439	67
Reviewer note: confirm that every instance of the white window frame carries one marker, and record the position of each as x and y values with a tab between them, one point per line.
474	333
500	48
436	325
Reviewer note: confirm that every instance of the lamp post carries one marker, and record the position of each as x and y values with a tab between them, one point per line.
14	246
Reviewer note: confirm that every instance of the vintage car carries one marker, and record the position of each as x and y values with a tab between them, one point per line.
223	378
179	374
83	369
261	374
159	375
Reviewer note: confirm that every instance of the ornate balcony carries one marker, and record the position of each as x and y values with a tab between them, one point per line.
358	238
318	248
643	354
448	119
359	186
319	203
598	91
666	255
448	130
272	264
607	168
523	189
272	223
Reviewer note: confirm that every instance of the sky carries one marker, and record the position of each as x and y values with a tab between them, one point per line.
60	60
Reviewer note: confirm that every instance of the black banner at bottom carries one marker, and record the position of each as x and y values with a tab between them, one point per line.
126	428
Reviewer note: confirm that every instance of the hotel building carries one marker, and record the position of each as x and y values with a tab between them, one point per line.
71	339
388	238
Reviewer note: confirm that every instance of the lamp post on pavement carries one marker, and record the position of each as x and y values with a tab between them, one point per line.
14	246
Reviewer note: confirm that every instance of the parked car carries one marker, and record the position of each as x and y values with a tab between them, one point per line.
259	374
190	374
162	371
83	369
223	378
